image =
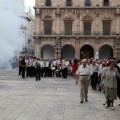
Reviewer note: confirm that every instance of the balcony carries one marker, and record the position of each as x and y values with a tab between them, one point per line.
76	33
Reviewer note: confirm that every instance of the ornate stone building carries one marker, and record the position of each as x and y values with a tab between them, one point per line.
77	28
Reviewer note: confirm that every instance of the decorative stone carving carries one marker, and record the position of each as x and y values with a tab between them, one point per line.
97	12
58	13
117	12
107	18
48	17
87	11
87	18
68	17
78	13
37	11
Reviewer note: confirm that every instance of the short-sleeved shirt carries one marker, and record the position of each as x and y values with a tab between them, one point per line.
83	70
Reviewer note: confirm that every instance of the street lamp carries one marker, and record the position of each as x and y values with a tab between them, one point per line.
57	48
117	47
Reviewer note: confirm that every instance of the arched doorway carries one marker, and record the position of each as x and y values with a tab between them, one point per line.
68	52
47	52
86	52
105	52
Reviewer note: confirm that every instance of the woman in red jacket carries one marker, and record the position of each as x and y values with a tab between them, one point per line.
74	68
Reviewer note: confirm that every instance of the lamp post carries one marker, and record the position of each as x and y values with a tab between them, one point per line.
117	50
57	48
117	47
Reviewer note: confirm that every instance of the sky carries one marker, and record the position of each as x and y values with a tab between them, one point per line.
29	3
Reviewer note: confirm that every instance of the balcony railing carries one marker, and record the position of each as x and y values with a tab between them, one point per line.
64	33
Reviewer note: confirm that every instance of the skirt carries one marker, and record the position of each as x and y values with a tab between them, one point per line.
110	93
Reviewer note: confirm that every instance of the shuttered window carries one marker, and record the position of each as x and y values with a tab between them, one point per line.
48	2
48	28
68	2
87	2
106	2
106	28
68	28
87	28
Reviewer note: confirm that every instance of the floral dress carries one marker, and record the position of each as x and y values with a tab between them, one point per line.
110	83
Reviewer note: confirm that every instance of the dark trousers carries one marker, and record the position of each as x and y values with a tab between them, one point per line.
46	71
23	72
66	72
49	72
20	70
58	73
37	74
94	80
42	71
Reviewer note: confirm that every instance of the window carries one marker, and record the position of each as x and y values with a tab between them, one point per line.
68	28
87	2
48	2
106	3
68	2
87	28
106	28
47	27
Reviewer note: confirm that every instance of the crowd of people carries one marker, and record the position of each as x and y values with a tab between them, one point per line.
102	75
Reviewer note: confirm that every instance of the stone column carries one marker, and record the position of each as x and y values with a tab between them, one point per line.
37	21
58	24
96	48
117	18
37	48
97	28
77	48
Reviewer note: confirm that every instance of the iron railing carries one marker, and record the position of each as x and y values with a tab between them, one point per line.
97	33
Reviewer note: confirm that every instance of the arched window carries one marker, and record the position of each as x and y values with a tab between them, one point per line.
68	25
47	25
106	25
87	25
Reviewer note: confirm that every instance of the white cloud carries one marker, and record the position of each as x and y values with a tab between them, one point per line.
29	2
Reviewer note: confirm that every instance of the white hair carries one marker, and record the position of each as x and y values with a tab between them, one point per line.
84	60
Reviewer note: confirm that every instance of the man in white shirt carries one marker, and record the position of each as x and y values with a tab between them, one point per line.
83	73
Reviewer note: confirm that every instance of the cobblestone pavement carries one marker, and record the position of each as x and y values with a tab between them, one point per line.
49	99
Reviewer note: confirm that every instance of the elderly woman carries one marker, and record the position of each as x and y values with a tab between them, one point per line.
109	75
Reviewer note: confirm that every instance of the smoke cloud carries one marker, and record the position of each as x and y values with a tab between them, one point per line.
11	42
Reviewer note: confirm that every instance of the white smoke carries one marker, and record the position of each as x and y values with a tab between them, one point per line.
10	40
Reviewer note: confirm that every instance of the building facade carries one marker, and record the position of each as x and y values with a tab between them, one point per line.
77	28
26	23
26	32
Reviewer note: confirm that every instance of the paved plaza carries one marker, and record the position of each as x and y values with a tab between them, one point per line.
49	99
